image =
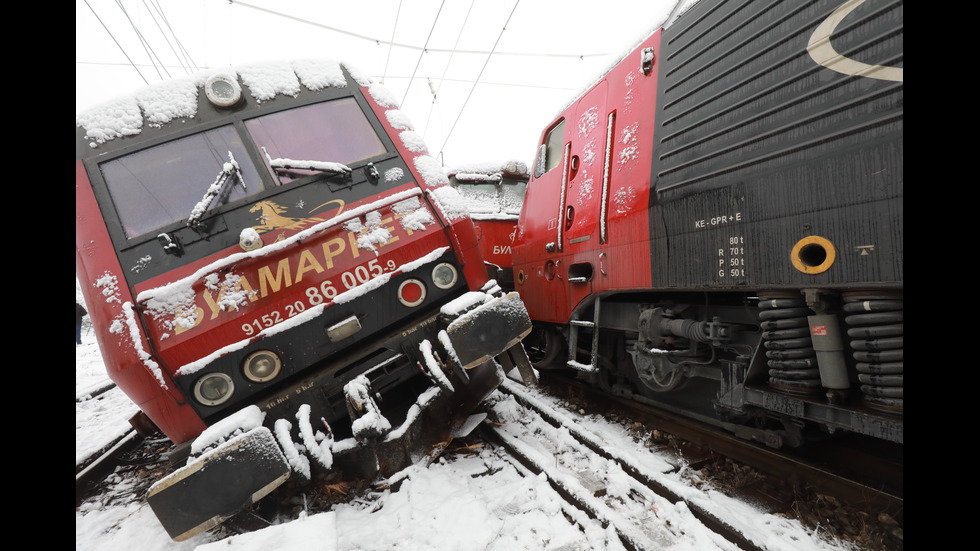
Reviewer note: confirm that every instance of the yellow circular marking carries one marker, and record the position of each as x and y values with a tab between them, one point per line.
520	277
823	52
813	255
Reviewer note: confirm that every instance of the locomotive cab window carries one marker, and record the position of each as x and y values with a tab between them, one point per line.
161	185
480	196
550	152
512	195
494	194
322	133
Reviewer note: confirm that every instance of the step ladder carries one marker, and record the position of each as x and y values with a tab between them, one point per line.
573	326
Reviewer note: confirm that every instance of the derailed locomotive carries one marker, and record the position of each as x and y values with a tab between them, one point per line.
494	196
716	224
282	280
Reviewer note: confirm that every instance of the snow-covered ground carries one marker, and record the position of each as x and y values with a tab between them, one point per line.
477	501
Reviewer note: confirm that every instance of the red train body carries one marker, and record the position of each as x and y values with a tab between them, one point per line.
494	195
716	224
269	257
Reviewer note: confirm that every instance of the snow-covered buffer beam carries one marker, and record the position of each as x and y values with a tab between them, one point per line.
483	332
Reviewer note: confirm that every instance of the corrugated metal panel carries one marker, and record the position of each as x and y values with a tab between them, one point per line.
759	144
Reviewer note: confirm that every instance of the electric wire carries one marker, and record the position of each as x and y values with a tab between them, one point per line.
422	53
391	46
121	49
435	90
181	53
146	46
477	81
166	39
410	46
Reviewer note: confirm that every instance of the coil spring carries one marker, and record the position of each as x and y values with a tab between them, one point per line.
875	327
786	337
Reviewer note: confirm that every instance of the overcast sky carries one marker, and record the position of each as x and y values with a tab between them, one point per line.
486	108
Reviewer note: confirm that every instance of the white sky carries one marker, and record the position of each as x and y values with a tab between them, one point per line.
549	51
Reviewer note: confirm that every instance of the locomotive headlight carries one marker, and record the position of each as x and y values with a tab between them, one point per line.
444	275
411	292
223	90
214	389
262	366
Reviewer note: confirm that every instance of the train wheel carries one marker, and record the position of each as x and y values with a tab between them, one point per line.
546	347
657	375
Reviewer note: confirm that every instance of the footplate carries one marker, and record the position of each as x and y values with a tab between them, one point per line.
219	484
490	329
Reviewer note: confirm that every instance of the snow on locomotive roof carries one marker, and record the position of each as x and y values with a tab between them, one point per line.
513	168
161	103
665	16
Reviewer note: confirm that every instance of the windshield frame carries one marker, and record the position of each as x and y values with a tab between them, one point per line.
210	120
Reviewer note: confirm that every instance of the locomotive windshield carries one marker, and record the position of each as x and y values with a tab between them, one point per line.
329	132
493	194
161	185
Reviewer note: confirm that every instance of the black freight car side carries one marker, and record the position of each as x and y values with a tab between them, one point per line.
779	146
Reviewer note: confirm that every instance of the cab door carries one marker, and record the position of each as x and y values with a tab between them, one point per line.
536	250
583	193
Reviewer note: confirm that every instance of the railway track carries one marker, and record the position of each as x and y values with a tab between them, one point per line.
93	468
851	488
617	482
637	495
96	467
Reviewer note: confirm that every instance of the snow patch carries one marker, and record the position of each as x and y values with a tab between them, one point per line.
371	421
317	443
298	462
383	96
230	292
449	202
394	174
431	171
317	74
631	148
398	120
413	141
412	215
240	422
164	102
371	234
432	366
588	120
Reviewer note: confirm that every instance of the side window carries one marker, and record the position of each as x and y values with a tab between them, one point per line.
480	197
155	187
330	132
549	155
512	196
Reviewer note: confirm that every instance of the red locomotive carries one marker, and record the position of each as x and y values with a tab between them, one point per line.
716	224
494	195
273	263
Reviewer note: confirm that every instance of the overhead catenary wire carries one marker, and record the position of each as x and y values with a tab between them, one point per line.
391	46
411	46
477	81
445	70
422	53
157	63
121	49
390	43
181	53
166	39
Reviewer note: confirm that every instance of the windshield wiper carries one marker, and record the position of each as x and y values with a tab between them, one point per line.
328	167
228	171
